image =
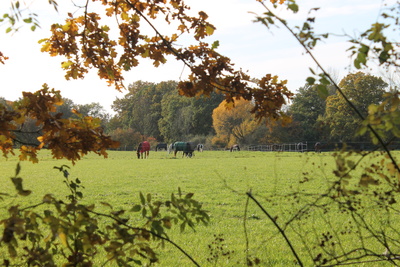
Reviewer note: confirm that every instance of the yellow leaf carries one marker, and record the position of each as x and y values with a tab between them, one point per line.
146	53
135	18
229	105
67	26
45	47
210	30
66	64
125	16
63	238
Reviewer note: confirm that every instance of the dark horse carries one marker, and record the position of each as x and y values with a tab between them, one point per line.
235	147
318	147
186	147
143	149
161	146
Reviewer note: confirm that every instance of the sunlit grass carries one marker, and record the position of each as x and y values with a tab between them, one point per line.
219	179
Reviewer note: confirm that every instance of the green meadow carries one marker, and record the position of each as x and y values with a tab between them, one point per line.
218	179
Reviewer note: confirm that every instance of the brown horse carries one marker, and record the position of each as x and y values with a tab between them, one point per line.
143	149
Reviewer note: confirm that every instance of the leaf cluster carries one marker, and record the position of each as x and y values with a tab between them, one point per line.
66	138
17	14
384	118
86	43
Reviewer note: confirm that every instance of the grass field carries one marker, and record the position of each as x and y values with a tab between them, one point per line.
219	180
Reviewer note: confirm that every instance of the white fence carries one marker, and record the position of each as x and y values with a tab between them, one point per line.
291	147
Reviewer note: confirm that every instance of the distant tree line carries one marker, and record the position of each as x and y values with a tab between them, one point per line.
328	118
157	113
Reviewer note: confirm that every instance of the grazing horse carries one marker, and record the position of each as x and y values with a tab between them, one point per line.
160	146
143	148
200	147
186	147
300	147
317	147
235	147
170	148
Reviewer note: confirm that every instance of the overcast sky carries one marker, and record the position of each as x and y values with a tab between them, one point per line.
251	46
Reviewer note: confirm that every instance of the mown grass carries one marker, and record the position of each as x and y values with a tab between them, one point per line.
219	180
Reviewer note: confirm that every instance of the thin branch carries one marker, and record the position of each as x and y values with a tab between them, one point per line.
245	228
278	227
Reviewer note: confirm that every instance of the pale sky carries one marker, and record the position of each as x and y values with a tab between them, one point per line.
251	46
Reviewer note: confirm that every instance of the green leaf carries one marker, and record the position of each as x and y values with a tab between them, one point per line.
183	226
324	80
322	91
17	169
106	204
357	64
189	195
144	213
142	199
215	45
383	57
362	130
364	49
136	208
310	80
294	7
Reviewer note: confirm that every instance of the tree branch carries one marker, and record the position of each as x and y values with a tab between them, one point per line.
380	140
278	227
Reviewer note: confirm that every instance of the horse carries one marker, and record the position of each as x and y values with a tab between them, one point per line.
200	147
300	147
143	148
317	147
170	148
235	147
186	147
160	146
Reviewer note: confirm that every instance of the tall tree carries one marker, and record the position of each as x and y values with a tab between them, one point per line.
203	108
362	90
307	107
94	110
183	118
176	112
235	124
140	109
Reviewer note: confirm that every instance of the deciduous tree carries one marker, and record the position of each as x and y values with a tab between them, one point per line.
235	123
306	108
140	108
362	90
